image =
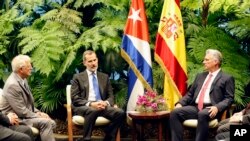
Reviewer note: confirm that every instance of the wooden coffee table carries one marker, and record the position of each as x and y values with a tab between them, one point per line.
139	118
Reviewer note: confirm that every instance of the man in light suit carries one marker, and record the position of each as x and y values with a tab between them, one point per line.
17	98
218	95
92	101
11	131
239	118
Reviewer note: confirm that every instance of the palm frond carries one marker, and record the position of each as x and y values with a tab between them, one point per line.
158	78
69	18
240	28
239	96
30	40
48	95
6	22
81	3
121	5
46	46
106	34
2	71
120	91
65	64
191	4
4	42
192	23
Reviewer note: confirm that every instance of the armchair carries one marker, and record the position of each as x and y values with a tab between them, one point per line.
213	124
79	120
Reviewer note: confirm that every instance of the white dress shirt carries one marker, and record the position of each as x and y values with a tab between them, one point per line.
207	99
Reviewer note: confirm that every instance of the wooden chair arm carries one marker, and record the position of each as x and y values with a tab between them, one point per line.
229	111
224	115
69	118
118	135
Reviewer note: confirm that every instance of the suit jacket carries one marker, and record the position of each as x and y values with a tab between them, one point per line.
246	114
221	92
4	120
247	109
4	123
80	88
16	98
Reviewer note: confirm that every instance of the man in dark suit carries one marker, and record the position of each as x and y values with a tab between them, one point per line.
239	118
17	98
11	131
92	96
209	95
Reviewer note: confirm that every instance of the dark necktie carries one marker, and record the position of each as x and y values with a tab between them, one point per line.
203	90
28	90
96	87
26	87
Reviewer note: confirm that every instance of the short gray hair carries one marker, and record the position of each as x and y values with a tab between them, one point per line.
87	52
19	61
216	54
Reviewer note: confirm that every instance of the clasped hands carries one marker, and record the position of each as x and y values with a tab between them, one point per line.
42	115
13	118
100	105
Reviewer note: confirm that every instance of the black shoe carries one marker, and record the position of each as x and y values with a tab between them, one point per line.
108	138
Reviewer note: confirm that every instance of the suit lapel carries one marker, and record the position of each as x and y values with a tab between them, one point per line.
200	83
215	81
26	90
86	78
28	94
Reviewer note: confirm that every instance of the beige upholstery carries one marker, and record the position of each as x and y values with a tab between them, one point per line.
213	124
129	121
193	123
1	91
79	120
34	130
100	121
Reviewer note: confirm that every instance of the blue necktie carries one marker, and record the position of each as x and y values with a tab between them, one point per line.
96	88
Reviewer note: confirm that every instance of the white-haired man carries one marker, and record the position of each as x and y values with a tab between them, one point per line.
17	98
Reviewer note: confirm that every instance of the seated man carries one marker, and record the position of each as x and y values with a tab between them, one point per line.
17	98
240	118
92	96
210	94
11	131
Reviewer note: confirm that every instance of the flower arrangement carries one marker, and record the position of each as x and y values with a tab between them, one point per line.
150	102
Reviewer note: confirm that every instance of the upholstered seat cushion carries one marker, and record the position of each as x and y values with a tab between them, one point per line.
100	121
193	123
129	121
35	131
1	93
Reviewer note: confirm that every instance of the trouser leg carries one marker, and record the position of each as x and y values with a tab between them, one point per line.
19	133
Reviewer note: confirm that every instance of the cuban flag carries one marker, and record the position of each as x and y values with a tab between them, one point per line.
135	50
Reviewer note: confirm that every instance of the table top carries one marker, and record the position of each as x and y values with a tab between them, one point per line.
149	115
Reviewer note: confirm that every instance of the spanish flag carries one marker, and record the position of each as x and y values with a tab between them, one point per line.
170	52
